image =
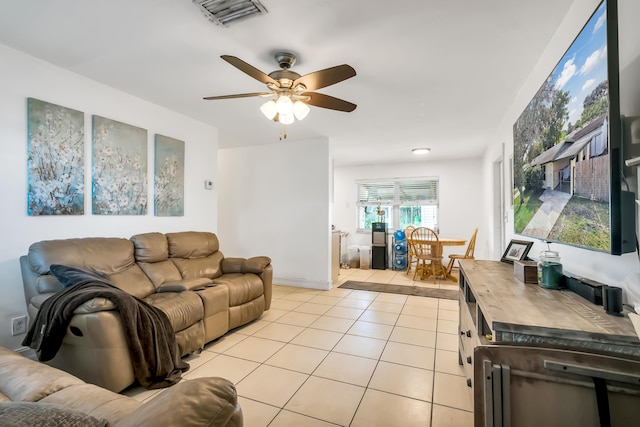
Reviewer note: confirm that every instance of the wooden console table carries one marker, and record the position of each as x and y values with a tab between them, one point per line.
496	309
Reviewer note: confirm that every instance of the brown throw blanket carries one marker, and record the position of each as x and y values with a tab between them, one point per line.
150	337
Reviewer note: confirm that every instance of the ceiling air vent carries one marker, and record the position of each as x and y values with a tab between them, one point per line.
225	12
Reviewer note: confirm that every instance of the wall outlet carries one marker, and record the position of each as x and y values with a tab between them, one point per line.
18	325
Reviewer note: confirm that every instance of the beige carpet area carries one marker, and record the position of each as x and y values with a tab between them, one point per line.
401	289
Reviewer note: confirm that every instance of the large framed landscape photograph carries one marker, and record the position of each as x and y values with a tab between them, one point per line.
567	145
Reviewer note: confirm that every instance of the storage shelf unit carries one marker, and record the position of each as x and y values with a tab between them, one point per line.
498	309
399	257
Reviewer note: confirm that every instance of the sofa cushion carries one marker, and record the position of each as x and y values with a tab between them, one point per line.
95	401
106	254
22	379
192	244
133	281
69	276
182	308
209	267
150	247
160	272
29	414
242	287
206	402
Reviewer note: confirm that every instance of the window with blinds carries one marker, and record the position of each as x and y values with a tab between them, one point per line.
404	202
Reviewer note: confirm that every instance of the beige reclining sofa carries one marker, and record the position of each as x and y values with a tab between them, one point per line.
184	274
34	394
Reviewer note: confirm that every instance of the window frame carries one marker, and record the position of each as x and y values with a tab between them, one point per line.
397	202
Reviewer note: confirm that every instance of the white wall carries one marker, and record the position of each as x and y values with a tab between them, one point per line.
461	198
22	76
598	266
274	201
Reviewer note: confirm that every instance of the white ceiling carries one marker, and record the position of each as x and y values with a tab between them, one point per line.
435	73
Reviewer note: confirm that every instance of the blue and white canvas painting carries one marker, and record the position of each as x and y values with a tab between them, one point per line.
55	159
169	176
119	168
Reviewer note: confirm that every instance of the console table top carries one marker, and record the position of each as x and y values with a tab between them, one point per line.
513	307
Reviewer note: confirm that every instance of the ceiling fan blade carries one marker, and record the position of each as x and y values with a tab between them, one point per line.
238	95
326	77
325	101
248	69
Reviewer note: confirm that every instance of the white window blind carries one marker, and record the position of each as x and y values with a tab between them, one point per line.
406	192
418	192
406	201
376	192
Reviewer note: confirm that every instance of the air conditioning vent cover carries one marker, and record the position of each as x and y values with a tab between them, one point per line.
225	12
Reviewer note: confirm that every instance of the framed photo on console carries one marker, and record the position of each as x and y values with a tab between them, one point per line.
517	250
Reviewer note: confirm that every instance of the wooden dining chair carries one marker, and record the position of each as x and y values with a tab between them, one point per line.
411	258
427	251
467	255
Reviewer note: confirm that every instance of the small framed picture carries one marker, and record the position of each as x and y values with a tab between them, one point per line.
517	250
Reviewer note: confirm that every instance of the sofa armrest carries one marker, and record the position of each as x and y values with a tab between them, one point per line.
185	285
231	265
207	401
255	265
95	305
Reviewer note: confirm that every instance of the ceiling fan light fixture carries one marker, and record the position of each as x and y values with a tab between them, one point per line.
421	151
284	105
286	119
292	92
269	109
300	110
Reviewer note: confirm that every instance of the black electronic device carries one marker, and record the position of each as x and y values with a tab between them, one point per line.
575	155
586	288
612	300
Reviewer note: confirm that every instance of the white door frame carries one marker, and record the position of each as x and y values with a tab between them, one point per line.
498	213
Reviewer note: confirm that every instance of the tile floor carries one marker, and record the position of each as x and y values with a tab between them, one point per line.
344	358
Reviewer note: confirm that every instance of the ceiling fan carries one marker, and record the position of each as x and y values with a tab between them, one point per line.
291	91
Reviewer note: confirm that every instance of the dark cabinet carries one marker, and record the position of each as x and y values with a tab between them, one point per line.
379	246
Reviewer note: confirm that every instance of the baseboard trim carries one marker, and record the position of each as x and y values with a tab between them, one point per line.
302	283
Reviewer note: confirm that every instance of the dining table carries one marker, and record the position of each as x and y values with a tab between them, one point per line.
440	269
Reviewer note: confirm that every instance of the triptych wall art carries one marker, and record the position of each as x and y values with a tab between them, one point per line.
55	159
56	148
119	168
169	176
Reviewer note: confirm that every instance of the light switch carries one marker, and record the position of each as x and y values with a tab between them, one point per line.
208	184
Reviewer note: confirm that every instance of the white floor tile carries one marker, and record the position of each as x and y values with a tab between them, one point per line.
346	368
403	380
360	346
380	409
344	358
327	400
271	385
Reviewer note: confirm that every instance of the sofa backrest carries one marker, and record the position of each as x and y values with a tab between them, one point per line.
196	254
175	257
138	265
110	255
152	255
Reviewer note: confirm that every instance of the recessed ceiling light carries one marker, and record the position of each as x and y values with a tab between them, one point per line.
421	151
